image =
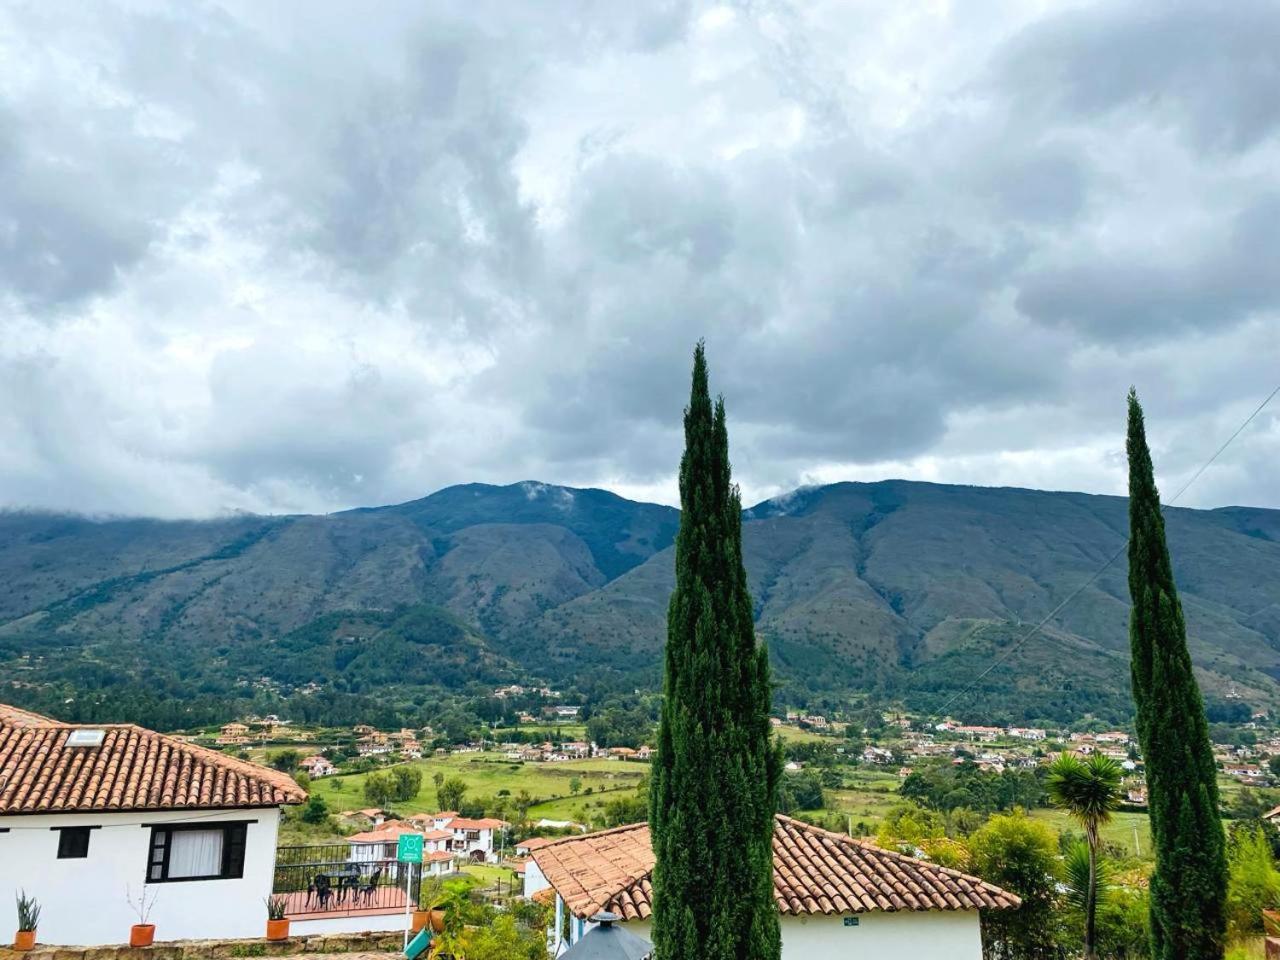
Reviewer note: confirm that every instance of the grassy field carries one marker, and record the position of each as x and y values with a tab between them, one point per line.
488	773
1120	831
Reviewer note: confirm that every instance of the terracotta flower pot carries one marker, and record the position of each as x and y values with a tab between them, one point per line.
1271	922
142	934
278	929
437	920
24	940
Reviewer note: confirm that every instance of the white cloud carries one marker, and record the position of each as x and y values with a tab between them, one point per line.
251	260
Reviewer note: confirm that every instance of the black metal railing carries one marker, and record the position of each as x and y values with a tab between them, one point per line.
339	879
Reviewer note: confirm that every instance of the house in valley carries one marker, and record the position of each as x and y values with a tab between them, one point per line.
232	733
317	766
90	811
839	897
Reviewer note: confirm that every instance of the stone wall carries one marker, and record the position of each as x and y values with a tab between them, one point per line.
219	949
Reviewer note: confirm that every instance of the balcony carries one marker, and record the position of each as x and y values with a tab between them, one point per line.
324	880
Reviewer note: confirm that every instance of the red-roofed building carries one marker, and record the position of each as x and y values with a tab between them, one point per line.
838	897
72	800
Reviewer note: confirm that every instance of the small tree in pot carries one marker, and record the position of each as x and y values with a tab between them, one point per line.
142	933
28	918
277	922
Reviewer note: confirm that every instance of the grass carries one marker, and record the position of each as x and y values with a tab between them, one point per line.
792	734
486	774
1120	831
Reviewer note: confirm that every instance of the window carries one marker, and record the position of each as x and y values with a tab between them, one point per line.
196	852
73	842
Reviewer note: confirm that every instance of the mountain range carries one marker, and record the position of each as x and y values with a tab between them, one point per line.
906	589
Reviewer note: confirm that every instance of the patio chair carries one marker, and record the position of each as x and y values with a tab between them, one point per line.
369	889
323	891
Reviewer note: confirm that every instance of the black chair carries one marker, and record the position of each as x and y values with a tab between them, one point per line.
369	889
349	886
323	892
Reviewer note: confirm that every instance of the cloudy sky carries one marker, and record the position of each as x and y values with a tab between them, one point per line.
300	257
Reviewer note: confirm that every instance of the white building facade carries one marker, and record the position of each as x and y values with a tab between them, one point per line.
92	817
208	872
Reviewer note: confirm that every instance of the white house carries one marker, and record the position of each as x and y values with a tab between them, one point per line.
473	839
839	897
90	812
317	766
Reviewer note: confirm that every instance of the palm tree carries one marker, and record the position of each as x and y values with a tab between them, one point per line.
1089	790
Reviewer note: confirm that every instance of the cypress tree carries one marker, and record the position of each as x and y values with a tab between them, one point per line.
715	781
1189	887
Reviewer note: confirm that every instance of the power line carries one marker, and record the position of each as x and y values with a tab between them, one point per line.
1110	560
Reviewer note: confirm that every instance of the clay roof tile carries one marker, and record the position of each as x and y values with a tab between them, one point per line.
814	872
132	769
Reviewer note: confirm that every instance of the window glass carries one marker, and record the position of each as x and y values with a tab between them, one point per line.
195	853
73	843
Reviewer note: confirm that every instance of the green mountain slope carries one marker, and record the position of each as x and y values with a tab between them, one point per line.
910	589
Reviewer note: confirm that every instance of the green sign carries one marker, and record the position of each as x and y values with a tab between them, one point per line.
409	848
850	921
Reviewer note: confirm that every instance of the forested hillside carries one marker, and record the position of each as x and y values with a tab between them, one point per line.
903	589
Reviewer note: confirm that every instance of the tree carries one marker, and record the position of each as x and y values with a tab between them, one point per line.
575	784
450	792
1253	881
285	760
1089	790
379	789
316	810
715	781
1021	855
1189	886
407	781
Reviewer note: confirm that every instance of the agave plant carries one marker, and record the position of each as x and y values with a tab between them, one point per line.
28	911
276	906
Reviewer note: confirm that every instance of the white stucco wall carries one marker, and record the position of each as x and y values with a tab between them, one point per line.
83	900
926	935
533	879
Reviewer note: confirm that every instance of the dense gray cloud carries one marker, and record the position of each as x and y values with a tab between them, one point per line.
253	258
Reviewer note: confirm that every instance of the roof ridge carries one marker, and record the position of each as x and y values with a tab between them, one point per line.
554	841
17	717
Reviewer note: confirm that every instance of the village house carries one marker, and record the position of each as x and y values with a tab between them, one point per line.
1028	733
379	846
877	755
233	733
89	812
982	734
839	897
316	766
373	746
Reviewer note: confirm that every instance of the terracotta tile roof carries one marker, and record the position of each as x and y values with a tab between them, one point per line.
485	823
132	769
814	872
535	843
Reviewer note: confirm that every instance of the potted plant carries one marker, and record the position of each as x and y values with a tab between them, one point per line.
430	897
142	933
277	922
28	918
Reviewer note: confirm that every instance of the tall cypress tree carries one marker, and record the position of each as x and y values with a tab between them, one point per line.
1189	887
714	785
